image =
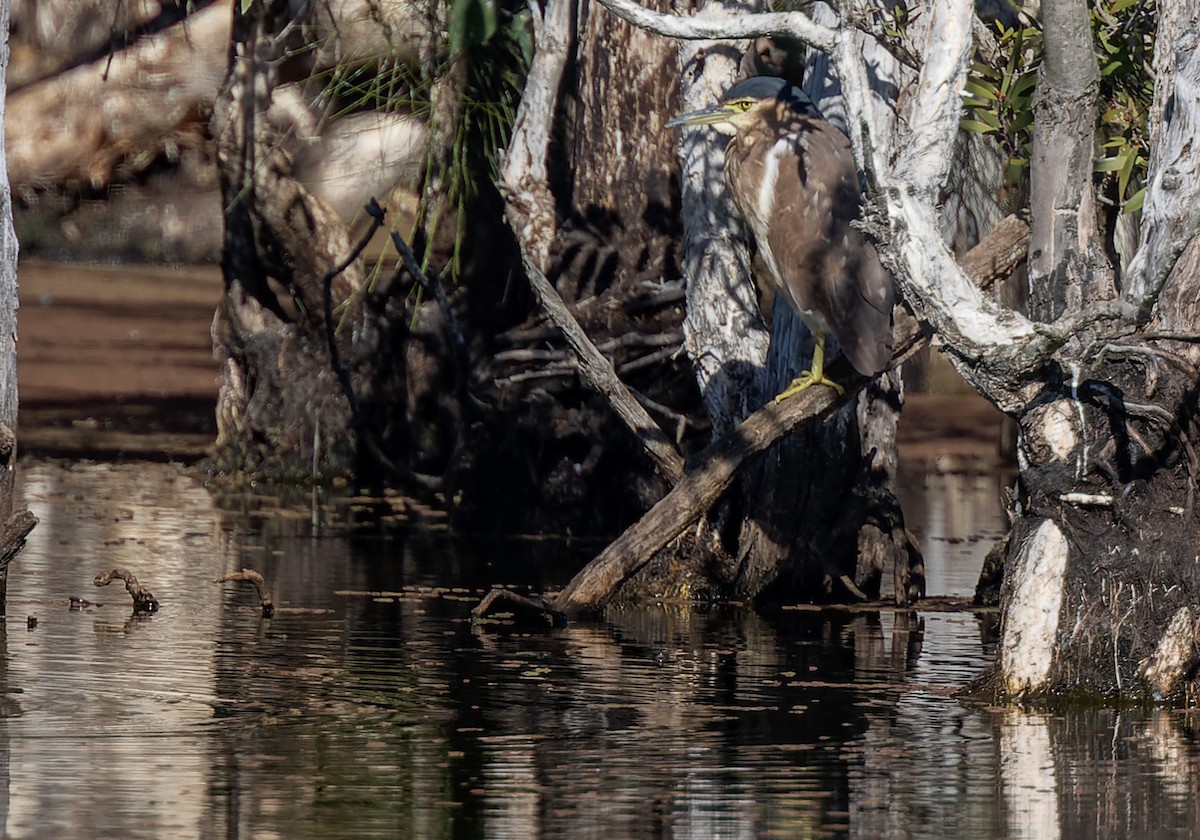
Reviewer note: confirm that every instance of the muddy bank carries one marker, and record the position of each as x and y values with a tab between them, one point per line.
116	362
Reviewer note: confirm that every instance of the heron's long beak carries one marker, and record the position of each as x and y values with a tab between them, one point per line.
706	116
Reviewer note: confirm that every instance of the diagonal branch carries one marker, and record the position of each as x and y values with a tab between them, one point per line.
708	476
529	210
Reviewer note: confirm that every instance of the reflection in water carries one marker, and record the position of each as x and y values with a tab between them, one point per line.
369	705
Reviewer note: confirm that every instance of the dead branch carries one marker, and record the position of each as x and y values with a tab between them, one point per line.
708	477
538	607
260	586
143	601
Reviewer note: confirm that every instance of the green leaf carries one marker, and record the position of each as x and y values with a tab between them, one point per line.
1126	172
975	126
1022	85
246	4
1022	121
520	31
1135	202
980	91
472	23
1113	116
1111	164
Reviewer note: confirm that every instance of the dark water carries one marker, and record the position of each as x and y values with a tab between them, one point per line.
369	706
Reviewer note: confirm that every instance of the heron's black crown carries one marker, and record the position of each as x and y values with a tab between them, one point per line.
771	87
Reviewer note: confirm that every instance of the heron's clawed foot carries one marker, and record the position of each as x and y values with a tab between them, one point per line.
805	381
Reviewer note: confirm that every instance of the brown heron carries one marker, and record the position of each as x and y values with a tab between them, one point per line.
792	176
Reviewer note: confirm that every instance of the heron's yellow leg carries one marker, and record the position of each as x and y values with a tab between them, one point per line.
815	375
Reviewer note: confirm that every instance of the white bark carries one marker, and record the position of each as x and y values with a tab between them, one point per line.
1031	620
724	334
523	178
1171	213
1175	654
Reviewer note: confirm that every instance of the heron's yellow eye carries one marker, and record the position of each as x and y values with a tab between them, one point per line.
742	105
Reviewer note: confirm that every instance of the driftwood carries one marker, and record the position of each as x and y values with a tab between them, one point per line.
143	600
260	586
713	470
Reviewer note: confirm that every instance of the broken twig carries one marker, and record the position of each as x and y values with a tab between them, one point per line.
143	601
522	606
260	585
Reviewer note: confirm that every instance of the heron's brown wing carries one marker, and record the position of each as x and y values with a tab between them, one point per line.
843	278
799	192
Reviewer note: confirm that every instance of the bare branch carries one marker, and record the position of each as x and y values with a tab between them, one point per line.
529	209
705	27
529	206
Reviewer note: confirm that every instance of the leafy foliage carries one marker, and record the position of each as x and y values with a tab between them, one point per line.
1000	94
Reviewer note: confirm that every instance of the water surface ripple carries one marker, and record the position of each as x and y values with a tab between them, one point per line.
369	706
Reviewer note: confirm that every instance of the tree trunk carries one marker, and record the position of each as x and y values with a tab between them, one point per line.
1068	265
1104	577
285	406
16	526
